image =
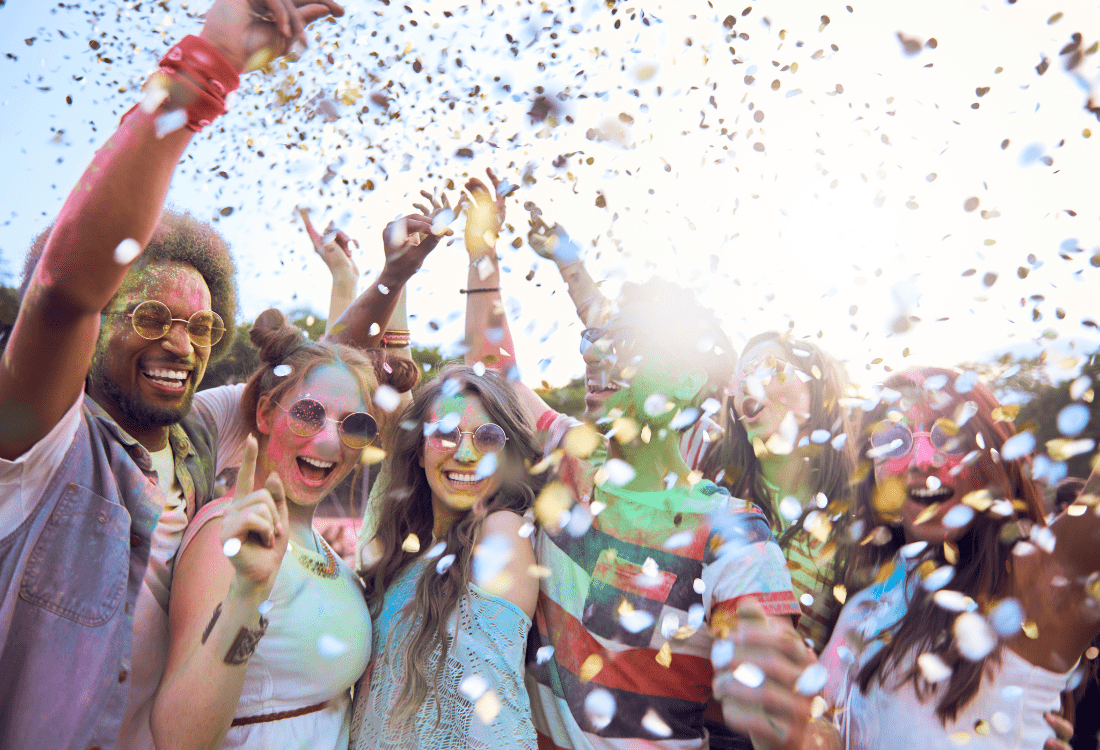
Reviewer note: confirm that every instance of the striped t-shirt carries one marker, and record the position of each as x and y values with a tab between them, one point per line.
619	654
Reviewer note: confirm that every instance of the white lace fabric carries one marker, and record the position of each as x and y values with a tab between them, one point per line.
491	710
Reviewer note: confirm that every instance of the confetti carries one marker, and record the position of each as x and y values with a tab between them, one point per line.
231	547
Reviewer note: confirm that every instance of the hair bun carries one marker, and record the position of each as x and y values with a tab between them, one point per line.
399	373
274	336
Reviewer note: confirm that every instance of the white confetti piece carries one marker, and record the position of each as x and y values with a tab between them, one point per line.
544	654
749	675
231	547
933	668
655	725
265	606
618	472
486	467
444	564
790	508
331	647
721	653
939	578
959	516
1072	419
1007	617
812	680
599	707
973	636
126	251
954	601
635	621
1018	446
387	398
473	687
281	371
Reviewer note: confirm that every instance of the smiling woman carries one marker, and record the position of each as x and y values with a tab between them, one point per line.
448	576
310	407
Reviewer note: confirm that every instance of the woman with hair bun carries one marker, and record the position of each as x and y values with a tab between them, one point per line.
271	662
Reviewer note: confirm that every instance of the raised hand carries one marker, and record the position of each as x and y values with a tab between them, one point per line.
485	213
407	241
550	242
255	525
334	247
252	33
775	712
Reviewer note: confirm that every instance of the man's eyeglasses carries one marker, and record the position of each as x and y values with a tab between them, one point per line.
489	438
307	417
153	320
895	440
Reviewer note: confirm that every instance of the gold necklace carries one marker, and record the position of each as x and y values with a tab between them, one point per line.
326	570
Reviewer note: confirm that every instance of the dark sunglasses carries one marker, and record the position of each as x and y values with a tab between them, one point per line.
489	438
153	320
307	417
895	440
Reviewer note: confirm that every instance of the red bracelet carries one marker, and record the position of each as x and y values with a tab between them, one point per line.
196	78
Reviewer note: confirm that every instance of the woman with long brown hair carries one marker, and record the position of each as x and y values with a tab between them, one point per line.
448	577
965	613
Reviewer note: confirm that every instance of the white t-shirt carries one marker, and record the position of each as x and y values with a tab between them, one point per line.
23	480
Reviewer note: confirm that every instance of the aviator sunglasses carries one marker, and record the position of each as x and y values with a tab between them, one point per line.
307	417
489	438
152	320
895	440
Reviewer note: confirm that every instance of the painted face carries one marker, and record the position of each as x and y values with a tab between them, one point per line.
146	384
452	469
766	389
926	459
311	466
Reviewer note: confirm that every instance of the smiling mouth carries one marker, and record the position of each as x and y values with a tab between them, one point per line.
313	470
169	379
462	479
925	496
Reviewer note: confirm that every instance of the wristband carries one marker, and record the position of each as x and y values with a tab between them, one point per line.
194	77
395	339
479	291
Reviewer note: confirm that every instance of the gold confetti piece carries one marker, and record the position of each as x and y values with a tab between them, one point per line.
646	434
487	707
664	655
626	430
411	544
1006	413
982	727
372	454
960	738
818	706
551	502
840	592
1031	630
1092	652
539	571
1076	510
549	462
591	667
581	441
890	495
926	514
684	632
979	500
950	552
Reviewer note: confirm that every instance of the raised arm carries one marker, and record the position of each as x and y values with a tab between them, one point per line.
334	247
406	243
113	210
488	337
554	243
214	600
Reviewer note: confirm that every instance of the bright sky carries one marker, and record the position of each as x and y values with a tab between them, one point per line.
830	198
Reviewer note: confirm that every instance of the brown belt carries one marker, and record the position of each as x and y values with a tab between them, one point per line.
264	718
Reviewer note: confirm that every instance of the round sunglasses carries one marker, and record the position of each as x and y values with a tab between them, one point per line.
307	417
895	440
489	438
153	320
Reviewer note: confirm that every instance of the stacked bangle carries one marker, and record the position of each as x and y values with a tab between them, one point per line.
195	77
395	339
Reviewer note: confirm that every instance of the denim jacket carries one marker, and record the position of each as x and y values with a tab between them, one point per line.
71	573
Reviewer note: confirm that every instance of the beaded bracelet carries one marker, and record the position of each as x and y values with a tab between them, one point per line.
395	339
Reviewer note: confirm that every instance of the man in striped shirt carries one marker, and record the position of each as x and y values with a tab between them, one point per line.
647	563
